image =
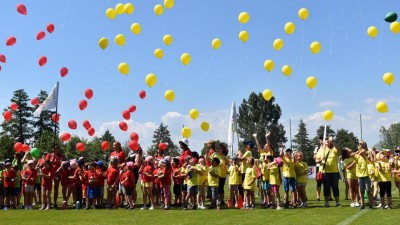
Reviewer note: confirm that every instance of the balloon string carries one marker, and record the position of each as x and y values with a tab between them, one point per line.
363	27
240	59
380	45
302	51
65	14
314	95
286	49
209	64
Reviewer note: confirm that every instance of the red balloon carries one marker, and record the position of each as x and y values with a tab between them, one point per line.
126	114
89	93
64	71
18	146
22	9
42	61
80	147
91	131
35	101
86	124
25	148
13	106
162	146
132	108
134	136
105	145
133	145
65	136
3	58
11	41
55	118
7	115
40	35
50	28
142	94
123	126
72	124
82	104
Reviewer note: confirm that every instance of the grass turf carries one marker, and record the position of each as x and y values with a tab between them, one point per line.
314	214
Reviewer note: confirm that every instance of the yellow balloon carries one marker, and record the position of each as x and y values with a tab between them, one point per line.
186	132
167	39
129	8
328	115
123	68
136	28
315	47
169	3
382	107
311	82
269	65
388	78
119	8
169	95
244	35
194	113
110	13
278	44
303	13
372	31
185	59
120	39
158	9
159	53
290	28
287	70
267	94
205	126
216	43
244	17
103	43
151	79
395	27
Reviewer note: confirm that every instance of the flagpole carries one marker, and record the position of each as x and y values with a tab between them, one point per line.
55	122
290	132
361	128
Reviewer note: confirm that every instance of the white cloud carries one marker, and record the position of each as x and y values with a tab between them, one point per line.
331	104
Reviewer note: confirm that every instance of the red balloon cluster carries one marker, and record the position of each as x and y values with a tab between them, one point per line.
142	94
18	146
86	124
133	145
126	114
64	71
13	106
123	126
65	136
3	58
40	35
42	61
91	131
21	8
35	101
89	93
132	108
82	104
80	147
105	145
55	117
163	146
134	137
72	124
7	115
25	148
11	41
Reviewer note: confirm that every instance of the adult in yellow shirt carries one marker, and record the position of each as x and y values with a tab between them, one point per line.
351	178
213	181
327	157
221	154
268	149
384	170
289	176
362	173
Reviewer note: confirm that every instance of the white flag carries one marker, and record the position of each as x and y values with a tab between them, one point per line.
232	126
49	103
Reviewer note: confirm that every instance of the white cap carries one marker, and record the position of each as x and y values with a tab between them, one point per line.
185	141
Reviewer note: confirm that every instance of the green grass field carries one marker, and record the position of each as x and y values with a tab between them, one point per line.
314	214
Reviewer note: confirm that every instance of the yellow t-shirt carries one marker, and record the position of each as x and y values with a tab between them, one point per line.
331	162
234	175
265	171
202	174
397	175
362	166
274	175
194	179
184	171
288	167
264	153
301	168
247	155
213	181
350	173
222	166
384	174
249	176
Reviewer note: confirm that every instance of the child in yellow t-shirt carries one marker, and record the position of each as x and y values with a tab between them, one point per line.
266	186
384	174
213	182
234	180
363	174
351	178
289	176
275	180
249	184
301	168
201	197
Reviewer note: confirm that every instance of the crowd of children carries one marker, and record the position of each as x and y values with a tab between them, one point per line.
193	179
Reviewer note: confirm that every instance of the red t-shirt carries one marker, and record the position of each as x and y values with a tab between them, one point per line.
55	159
177	172
92	176
131	179
71	173
47	182
155	173
30	176
166	180
64	176
148	169
112	175
121	156
100	178
184	154
77	178
8	176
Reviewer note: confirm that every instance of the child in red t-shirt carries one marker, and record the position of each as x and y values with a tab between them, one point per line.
129	183
29	176
92	180
178	181
112	182
47	174
157	183
165	177
147	181
62	171
100	184
9	176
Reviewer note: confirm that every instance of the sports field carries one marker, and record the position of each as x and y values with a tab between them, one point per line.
314	214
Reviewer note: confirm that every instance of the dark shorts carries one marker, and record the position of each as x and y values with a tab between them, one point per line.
214	192
1	190
38	187
193	190
9	191
289	182
221	185
91	192
17	191
177	189
184	187
136	173
129	191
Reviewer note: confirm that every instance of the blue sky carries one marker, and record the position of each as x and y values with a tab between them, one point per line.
349	67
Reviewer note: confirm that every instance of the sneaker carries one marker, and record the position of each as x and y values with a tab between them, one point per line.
361	207
388	207
143	208
352	205
370	207
338	204
64	205
33	204
357	204
151	207
380	205
326	205
5	208
279	207
55	206
303	205
236	205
